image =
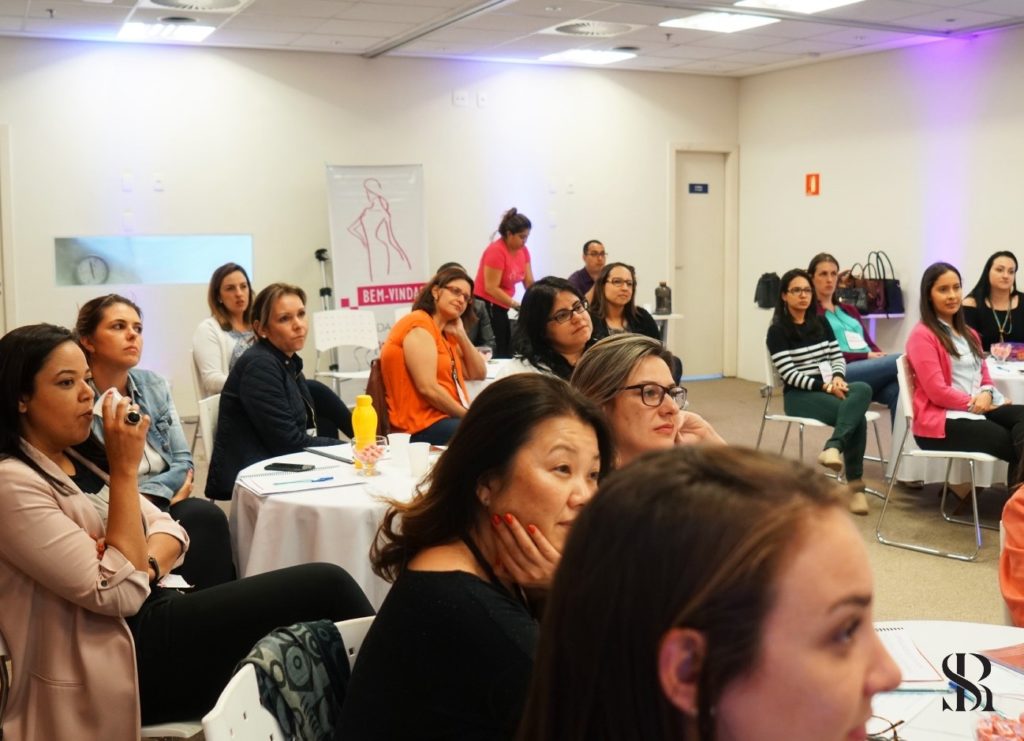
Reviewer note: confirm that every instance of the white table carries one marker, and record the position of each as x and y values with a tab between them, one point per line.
662	322
1009	379
936	639
336	524
494	366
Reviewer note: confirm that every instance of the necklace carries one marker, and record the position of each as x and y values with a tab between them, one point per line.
1005	326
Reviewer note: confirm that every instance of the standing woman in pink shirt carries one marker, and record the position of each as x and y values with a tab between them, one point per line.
504	263
956	407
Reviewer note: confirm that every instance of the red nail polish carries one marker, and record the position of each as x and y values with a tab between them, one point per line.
509	518
496	520
532	529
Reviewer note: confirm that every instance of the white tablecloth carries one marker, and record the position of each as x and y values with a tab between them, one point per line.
936	639
336	524
1009	379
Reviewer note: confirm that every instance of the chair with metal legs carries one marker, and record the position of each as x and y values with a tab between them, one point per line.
906	382
772	382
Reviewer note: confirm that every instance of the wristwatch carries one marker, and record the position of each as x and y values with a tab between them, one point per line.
156	569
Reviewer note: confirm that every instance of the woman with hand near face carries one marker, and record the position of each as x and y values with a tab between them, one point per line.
455	636
504	263
552	331
741	611
865	360
109	329
806	357
956	407
427	359
223	337
97	646
994	308
266	409
628	376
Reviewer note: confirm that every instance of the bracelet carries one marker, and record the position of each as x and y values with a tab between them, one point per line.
153	564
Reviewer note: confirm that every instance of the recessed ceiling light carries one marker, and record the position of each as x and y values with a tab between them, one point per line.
553	8
164	32
796	6
588	56
719	22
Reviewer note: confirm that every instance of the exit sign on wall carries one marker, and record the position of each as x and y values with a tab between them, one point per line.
699	188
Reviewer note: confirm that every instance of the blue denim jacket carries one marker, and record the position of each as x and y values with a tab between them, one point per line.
166	436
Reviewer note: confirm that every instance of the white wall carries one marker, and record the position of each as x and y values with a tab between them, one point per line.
240	139
920	153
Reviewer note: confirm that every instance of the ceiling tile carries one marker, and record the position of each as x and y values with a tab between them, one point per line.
743	40
808	46
79	12
7	23
377	12
952	19
760	57
1003	7
306	8
269	22
344	44
364	28
560	9
864	37
246	37
502	22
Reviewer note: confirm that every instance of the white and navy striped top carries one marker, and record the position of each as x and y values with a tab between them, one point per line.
797	361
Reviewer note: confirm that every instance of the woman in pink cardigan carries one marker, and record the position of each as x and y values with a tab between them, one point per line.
956	407
97	645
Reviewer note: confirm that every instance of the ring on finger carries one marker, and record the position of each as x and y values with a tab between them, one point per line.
132	417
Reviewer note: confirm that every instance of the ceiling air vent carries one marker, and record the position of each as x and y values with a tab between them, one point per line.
197	6
591	29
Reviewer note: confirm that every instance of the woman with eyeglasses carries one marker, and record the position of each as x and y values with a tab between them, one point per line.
553	330
614	308
628	376
428	357
807	358
742	610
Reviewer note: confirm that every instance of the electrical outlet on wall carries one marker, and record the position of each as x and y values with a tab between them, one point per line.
460	98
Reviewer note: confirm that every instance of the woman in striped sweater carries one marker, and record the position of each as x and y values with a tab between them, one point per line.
806	356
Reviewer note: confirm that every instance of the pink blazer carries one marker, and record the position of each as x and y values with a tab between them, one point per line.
62	611
933	390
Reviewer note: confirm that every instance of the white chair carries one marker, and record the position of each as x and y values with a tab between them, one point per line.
197	387
772	381
353	328
905	376
209	409
238	713
353	632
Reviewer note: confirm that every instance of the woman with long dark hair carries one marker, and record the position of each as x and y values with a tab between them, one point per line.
455	636
994	308
956	406
614	308
806	356
709	593
553	329
865	360
97	645
428	357
504	263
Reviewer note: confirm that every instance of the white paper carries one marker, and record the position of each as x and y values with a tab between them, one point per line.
913	665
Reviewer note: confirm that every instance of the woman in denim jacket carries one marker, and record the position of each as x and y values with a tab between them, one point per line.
109	330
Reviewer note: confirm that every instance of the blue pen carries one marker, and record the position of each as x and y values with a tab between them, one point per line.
305	481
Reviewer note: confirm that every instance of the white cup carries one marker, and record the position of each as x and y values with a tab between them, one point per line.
398	444
419	458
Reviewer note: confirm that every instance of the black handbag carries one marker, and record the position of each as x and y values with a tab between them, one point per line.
769	286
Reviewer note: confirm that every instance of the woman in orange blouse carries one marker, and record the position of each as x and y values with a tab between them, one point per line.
428	357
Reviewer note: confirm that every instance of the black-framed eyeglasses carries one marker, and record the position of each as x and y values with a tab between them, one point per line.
563	315
457	293
800	291
597	254
887	732
652	394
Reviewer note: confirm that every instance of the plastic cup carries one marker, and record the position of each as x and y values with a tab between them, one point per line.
419	458
486	352
399	448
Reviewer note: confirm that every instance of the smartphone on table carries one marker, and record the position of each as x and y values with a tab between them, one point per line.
291	467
